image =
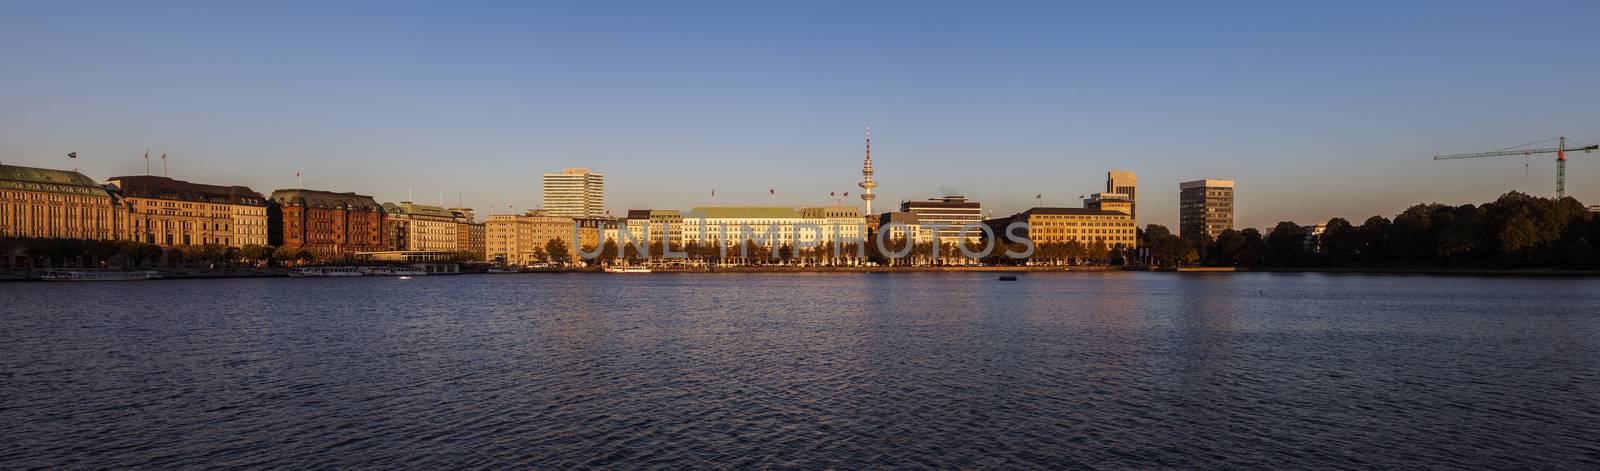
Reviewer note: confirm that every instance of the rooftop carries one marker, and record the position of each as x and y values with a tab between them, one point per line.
48	180
1071	212
150	186
407	208
325	199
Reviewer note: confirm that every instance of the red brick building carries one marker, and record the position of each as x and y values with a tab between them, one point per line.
331	225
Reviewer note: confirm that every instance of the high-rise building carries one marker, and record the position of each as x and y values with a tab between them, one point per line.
952	211
169	212
1123	182
1205	207
63	204
575	193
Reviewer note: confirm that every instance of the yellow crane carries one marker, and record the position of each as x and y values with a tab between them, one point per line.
1560	150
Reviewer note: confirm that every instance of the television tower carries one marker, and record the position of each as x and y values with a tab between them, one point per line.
866	175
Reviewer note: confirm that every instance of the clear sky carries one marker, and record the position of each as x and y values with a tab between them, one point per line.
1318	111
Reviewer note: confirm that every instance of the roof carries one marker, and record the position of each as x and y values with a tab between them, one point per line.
899	217
831	211
406	208
1071	212
48	180
744	212
1207	183
150	186
325	199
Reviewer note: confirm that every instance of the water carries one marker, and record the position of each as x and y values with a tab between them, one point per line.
1118	370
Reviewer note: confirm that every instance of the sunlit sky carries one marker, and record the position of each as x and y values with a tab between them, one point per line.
1317	111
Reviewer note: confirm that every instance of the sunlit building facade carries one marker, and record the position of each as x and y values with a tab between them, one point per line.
47	203
170	212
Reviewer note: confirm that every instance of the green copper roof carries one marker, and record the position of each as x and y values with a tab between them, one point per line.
325	199
48	180
744	212
413	209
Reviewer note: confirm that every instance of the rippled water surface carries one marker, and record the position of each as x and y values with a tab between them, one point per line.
1115	370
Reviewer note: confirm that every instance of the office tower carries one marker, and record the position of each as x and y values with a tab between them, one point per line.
1205	207
1124	182
575	193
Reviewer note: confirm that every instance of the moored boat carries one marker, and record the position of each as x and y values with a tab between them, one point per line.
321	272
97	275
627	270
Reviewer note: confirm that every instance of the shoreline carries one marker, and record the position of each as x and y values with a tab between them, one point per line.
1391	271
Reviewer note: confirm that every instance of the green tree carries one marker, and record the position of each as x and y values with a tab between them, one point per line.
1374	239
1286	245
1340	242
1228	250
284	254
558	252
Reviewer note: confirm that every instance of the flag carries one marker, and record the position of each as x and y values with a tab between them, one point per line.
1038	196
297	174
163	156
72	155
847	194
772	190
713	192
831	193
147	154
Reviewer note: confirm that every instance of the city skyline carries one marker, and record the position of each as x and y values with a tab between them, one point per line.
671	102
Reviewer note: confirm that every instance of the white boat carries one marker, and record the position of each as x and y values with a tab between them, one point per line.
91	275
392	271
321	272
627	270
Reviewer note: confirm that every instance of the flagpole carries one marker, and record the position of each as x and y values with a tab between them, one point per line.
147	162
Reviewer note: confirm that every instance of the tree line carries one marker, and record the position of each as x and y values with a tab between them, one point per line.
42	252
1516	230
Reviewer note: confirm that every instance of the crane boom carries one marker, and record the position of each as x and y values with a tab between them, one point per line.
1550	150
1561	159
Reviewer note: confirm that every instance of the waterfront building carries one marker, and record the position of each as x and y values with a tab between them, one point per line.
906	226
952	211
330	225
470	234
169	212
1123	182
1594	208
48	203
1083	225
575	193
1205	207
663	223
420	227
835	224
516	239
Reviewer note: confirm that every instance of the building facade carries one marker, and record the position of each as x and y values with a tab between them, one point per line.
1205	208
1110	202
1083	225
420	227
1123	182
46	203
725	225
951	211
169	212
330	225
518	239
575	193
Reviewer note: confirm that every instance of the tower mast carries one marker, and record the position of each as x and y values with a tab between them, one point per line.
866	175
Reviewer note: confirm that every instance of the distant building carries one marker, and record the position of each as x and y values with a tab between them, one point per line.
575	193
906	226
1083	225
330	225
1594	208
1205	207
762	219
169	212
1110	202
518	239
64	204
952	211
663	223
471	236
420	227
1123	182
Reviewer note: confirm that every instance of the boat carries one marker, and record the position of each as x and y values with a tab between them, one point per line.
627	270
392	271
322	272
95	275
1008	277
405	277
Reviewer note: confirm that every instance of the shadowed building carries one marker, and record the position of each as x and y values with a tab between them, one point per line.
952	211
46	203
1205	207
420	227
169	212
330	225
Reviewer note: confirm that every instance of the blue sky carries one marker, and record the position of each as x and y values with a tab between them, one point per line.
1317	110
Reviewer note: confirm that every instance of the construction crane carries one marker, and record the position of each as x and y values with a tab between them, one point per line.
1560	150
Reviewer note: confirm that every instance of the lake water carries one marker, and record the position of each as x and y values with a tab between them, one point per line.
956	370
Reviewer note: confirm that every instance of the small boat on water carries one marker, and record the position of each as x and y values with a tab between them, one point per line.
96	275
324	272
627	270
1008	277
405	277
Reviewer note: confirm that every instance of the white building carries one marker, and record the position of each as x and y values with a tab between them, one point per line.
575	193
731	225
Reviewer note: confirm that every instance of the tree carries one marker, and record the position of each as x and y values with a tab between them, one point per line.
467	256
1255	248
284	254
256	253
305	256
608	251
1228	250
1286	245
1340	241
1374	239
558	252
